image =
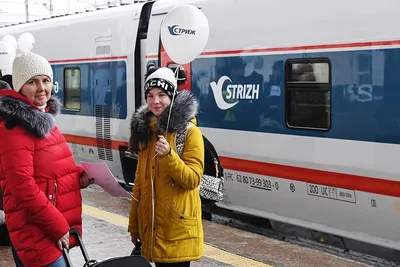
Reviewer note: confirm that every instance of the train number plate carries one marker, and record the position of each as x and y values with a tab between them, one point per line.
330	192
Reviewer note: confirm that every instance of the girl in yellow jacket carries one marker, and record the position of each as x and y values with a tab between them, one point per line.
166	207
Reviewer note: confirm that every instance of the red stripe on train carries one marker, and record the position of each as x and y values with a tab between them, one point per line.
255	50
297	48
374	185
349	181
73	60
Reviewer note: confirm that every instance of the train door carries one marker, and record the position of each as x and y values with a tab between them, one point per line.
129	160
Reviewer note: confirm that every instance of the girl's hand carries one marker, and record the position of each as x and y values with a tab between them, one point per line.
162	146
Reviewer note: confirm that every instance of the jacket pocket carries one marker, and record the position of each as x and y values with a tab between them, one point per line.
52	191
179	226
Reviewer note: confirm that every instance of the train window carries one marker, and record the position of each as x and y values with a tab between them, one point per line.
72	89
308	94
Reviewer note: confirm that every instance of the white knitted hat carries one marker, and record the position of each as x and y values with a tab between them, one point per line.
27	66
162	78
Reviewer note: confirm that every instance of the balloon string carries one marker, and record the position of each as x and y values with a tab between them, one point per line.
173	97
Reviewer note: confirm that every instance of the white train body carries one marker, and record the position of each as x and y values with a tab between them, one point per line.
320	154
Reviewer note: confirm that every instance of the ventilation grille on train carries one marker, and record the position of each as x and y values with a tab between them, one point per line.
103	132
103	50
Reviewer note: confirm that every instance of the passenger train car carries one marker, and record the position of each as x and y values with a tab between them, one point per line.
299	98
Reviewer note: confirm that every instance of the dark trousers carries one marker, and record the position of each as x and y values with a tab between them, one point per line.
178	264
17	261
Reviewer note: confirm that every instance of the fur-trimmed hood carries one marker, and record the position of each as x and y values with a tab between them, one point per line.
184	108
15	109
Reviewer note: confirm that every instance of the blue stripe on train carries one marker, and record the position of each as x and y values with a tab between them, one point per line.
365	94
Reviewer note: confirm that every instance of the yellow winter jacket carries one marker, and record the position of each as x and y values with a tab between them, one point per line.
166	205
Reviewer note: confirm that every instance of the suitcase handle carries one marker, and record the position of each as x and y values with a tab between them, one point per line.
137	250
75	232
66	256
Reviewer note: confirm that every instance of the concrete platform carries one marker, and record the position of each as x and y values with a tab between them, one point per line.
105	222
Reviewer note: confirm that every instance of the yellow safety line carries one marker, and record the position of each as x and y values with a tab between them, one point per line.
209	251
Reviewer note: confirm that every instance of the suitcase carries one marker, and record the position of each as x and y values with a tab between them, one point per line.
134	260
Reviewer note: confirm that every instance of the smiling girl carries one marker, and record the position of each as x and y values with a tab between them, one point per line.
166	208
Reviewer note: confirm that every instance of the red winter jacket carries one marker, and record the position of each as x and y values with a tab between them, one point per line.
39	179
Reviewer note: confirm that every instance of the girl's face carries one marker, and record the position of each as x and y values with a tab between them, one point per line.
157	100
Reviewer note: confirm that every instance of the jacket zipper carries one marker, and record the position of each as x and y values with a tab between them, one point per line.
54	194
153	189
152	218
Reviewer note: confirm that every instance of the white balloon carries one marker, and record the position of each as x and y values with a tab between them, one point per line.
184	33
7	55
11	40
26	42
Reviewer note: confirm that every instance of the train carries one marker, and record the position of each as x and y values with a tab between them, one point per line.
299	98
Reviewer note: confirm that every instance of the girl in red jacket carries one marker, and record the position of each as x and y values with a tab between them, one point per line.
40	181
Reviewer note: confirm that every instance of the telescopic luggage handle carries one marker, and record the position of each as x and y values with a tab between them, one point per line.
137	251
66	256
75	232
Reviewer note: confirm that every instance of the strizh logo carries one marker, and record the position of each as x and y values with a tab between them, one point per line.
176	30
233	92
